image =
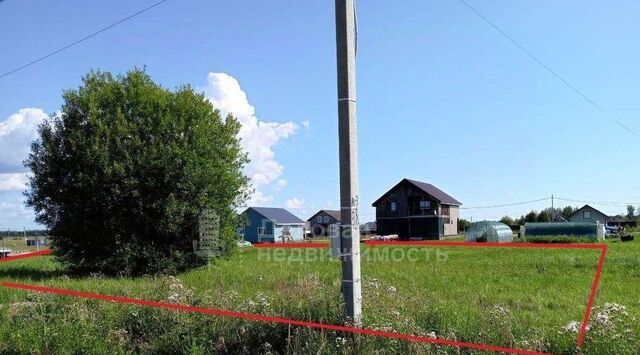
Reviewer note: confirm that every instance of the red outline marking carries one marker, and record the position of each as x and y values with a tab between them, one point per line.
290	245
258	317
592	295
24	256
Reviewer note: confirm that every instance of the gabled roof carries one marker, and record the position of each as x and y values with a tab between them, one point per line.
278	215
333	213
584	207
429	189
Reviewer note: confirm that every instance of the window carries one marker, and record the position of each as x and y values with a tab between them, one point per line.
425	204
319	219
240	232
262	231
393	206
326	219
586	215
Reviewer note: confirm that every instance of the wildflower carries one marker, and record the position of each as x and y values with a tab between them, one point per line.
572	327
391	289
431	335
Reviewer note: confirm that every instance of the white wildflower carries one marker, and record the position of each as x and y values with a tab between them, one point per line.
572	327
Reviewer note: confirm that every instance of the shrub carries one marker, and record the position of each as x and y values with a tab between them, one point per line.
122	172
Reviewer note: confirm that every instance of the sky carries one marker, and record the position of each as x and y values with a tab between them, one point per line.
442	96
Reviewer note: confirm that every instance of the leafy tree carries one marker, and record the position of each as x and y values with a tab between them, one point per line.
122	172
463	224
531	217
631	212
544	216
507	220
567	211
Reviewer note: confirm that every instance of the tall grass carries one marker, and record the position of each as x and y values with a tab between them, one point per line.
518	298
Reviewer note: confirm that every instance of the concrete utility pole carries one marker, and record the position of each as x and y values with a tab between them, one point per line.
350	225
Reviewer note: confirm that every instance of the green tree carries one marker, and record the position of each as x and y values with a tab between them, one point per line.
122	172
507	220
531	217
631	212
568	211
544	216
463	225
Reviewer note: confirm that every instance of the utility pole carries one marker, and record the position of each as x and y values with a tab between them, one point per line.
350	225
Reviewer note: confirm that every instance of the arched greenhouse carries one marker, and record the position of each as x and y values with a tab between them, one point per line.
487	231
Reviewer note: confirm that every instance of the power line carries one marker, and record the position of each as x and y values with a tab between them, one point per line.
506	204
599	202
547	68
80	40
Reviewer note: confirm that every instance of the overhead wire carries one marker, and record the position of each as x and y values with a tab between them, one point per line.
37	60
548	69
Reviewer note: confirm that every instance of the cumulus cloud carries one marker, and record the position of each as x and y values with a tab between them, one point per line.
258	137
294	203
16	134
13	181
306	123
14	209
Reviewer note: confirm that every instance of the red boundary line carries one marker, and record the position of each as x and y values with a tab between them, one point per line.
260	317
270	319
24	256
290	245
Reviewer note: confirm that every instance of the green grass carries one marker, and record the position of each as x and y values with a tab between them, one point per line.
17	245
507	297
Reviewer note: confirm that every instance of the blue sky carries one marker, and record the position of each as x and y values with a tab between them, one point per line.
442	97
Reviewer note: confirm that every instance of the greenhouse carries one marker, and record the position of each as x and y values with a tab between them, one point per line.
579	229
486	231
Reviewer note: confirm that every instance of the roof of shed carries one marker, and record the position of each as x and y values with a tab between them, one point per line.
587	206
429	189
333	213
278	215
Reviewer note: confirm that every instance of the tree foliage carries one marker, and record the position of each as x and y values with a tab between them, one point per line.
507	220
544	216
463	225
531	217
122	172
568	211
631	212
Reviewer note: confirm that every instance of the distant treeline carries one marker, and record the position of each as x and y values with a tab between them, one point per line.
24	233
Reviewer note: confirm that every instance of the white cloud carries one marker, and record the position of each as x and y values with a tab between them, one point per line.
257	198
16	134
14	209
258	137
294	203
13	181
306	123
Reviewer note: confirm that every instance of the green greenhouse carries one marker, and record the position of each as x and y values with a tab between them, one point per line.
561	228
487	231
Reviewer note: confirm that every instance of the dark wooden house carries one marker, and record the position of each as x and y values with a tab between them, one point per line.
417	210
320	222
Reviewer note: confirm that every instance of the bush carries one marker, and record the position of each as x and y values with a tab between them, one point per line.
122	172
558	239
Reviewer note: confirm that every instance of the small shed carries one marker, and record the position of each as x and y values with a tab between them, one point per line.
487	231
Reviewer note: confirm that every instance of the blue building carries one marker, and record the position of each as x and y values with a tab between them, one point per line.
268	225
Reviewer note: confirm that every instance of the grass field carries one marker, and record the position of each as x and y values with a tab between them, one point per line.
508	297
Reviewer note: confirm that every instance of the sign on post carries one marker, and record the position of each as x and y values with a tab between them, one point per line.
208	245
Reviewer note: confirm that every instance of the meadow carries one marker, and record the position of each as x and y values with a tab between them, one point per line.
521	298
